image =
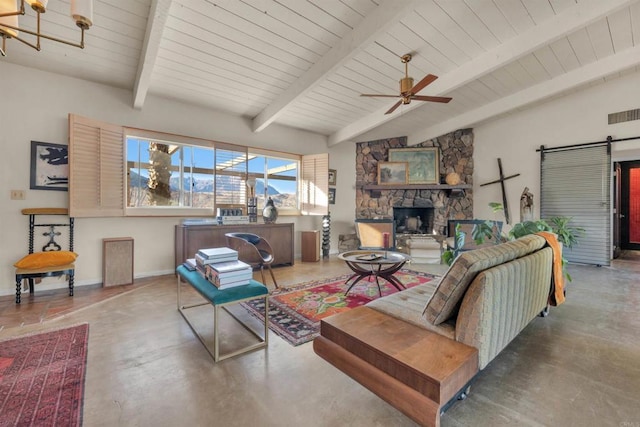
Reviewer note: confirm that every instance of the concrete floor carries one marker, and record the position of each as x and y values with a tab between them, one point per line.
578	367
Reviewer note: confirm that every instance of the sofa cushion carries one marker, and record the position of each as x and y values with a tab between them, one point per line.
446	299
408	305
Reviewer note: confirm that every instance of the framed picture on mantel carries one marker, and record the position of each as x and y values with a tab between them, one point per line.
424	163
390	173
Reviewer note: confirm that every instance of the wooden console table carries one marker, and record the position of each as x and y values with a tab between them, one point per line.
190	238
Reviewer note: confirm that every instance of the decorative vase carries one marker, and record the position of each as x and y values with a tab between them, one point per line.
453	179
270	212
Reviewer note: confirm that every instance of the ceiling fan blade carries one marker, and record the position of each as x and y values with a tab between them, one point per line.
427	80
392	109
375	94
442	99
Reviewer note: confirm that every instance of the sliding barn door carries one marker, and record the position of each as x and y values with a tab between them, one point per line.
577	183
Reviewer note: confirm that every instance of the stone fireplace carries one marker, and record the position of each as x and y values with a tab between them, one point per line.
439	202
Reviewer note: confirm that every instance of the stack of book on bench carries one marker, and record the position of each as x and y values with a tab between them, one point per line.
221	267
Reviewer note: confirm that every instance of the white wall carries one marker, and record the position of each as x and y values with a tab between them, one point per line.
342	157
37	105
577	118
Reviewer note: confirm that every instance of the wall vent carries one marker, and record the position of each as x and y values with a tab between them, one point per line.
624	116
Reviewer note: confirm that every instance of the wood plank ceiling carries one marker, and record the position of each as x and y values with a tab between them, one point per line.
304	63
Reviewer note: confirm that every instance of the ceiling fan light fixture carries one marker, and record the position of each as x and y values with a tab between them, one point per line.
10	10
408	90
406	83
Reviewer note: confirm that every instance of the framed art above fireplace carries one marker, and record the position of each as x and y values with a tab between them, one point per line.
424	163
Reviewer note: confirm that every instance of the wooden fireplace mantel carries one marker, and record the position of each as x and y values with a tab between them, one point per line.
452	190
416	187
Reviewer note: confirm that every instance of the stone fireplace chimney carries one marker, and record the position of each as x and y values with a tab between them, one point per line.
440	202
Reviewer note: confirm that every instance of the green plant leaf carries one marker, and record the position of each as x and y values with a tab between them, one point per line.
496	207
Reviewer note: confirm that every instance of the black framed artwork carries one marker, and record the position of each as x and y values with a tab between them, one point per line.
332	196
49	166
333	176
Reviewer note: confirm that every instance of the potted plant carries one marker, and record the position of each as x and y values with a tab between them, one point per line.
567	235
481	231
529	227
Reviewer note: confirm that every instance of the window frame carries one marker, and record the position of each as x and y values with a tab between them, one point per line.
170	139
279	155
98	182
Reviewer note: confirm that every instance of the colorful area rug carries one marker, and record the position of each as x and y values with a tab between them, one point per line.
42	378
295	313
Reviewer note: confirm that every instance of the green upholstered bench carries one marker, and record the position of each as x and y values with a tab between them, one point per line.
220	299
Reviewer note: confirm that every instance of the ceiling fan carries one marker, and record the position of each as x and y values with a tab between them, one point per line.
408	91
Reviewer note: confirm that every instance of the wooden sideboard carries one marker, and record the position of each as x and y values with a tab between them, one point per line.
191	238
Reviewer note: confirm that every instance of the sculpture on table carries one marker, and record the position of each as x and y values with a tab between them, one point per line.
270	212
526	205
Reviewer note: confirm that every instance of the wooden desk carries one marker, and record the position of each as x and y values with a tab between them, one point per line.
190	238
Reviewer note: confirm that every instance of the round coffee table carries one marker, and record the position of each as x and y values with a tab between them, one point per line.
379	264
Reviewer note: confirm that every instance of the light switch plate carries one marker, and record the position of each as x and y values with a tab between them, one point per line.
17	195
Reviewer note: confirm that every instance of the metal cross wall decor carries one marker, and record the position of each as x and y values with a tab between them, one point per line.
504	193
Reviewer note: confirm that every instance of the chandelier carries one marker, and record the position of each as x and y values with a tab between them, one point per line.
81	13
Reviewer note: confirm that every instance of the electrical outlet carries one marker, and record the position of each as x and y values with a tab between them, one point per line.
17	195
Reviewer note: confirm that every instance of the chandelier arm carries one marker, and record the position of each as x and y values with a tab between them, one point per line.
44	36
38	30
36	47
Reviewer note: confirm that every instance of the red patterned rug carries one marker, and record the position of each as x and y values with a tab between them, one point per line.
42	378
295	313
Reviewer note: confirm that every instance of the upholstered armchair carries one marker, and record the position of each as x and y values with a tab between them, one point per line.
253	250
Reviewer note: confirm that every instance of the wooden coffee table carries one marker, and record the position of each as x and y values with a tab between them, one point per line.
379	264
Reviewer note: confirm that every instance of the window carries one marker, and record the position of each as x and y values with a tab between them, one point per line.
175	175
168	174
117	171
276	177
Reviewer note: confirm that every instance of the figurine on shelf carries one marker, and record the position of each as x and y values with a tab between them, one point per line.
270	212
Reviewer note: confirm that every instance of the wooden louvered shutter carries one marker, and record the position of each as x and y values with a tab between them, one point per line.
314	185
96	168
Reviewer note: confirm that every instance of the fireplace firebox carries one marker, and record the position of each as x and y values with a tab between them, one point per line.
413	220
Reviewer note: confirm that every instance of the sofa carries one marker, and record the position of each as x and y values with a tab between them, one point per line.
419	349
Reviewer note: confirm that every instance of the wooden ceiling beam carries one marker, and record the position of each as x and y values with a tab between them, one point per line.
388	13
158	14
561	25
